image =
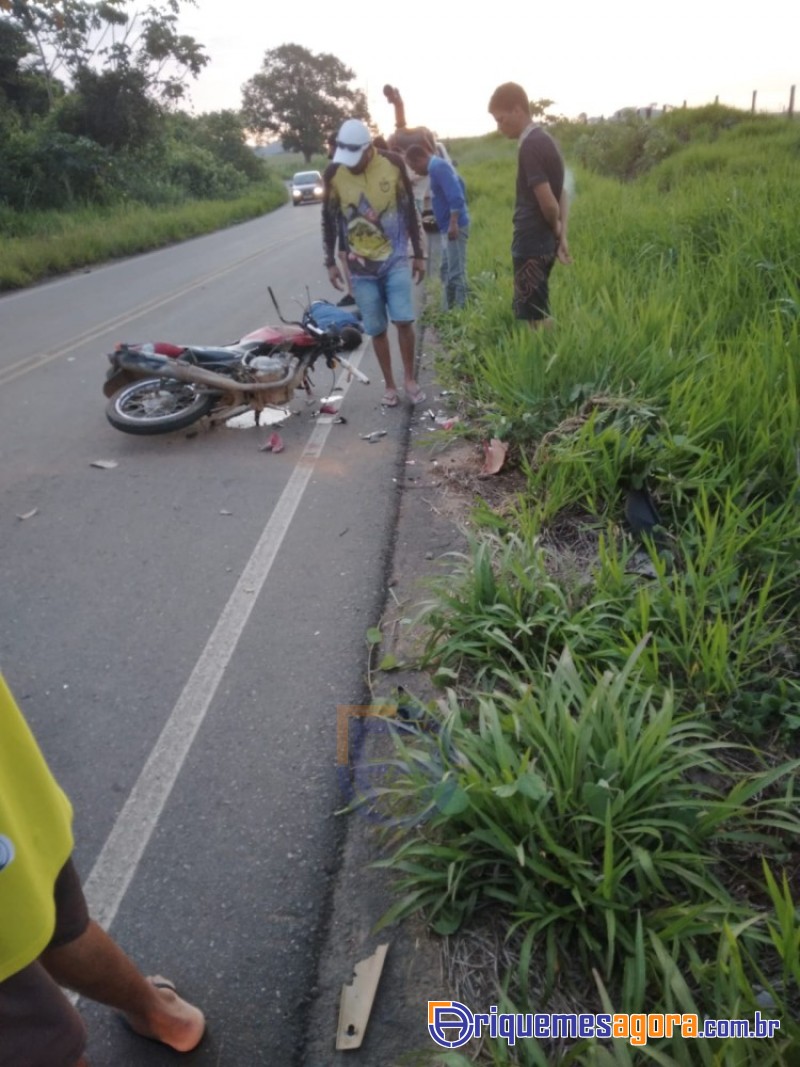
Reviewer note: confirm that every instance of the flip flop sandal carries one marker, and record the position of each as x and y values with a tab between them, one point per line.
390	398
417	397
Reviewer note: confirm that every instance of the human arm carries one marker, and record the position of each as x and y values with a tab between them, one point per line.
447	187
549	207
330	226
562	251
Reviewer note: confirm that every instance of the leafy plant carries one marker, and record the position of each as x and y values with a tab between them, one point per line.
580	810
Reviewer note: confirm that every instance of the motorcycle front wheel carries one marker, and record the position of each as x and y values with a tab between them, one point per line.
156	405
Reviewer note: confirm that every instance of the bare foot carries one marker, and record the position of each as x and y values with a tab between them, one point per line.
171	1020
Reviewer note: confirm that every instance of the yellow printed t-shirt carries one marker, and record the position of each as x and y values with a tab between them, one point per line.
374	208
35	841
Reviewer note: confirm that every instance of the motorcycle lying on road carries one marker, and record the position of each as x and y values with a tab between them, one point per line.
157	387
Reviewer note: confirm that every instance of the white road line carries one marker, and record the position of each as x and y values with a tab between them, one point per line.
119	858
41	359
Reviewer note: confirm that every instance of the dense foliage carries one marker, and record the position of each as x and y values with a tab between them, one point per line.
87	111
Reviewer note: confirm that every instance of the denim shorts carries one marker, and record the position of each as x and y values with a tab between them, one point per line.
376	296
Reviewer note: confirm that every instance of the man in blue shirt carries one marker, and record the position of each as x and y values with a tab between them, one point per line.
450	209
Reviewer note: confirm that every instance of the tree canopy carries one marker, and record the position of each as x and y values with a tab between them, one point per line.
69	37
90	92
302	97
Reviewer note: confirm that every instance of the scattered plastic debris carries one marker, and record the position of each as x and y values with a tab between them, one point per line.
374	436
356	1000
274	443
494	453
225	512
29	514
104	464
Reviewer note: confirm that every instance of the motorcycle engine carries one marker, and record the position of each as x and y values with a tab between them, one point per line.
268	368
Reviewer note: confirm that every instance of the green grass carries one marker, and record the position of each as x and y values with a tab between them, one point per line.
39	244
570	796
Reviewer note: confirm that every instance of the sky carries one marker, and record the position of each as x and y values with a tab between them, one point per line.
446	59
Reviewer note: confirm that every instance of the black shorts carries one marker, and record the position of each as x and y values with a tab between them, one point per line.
532	288
39	1026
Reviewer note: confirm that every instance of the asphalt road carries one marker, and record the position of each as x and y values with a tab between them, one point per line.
179	630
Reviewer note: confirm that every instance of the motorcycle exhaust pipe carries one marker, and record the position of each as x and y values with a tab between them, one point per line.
193	375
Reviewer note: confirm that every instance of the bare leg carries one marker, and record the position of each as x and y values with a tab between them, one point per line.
407	339
96	967
381	345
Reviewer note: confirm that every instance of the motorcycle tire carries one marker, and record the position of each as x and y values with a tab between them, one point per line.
155	405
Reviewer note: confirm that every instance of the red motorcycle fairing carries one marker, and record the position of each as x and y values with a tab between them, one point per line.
276	335
163	348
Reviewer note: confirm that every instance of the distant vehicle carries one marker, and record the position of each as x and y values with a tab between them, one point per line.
307	187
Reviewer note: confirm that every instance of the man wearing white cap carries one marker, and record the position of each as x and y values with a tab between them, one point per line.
368	207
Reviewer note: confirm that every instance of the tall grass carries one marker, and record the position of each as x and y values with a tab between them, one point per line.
614	820
42	243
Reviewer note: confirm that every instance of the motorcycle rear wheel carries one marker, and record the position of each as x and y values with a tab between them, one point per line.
156	405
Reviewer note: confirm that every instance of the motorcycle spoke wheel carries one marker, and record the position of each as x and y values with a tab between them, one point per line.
157	406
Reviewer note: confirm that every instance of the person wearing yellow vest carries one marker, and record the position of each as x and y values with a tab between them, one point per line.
47	939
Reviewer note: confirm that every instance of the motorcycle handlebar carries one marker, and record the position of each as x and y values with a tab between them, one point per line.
311	327
348	366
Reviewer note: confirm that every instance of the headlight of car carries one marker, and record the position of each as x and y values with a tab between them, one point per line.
317	190
296	193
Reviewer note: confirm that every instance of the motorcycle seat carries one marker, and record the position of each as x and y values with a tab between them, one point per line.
206	355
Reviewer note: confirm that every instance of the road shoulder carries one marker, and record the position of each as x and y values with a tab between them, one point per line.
413	973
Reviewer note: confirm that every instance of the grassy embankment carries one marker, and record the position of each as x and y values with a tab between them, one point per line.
612	788
37	244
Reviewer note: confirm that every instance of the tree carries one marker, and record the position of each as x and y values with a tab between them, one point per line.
70	37
539	107
222	133
302	97
112	108
21	91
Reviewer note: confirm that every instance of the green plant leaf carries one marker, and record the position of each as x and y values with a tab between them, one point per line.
389	663
450	798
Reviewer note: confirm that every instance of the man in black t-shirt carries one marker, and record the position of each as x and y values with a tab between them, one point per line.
540	211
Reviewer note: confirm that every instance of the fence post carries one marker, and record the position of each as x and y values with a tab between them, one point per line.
753	105
791	102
